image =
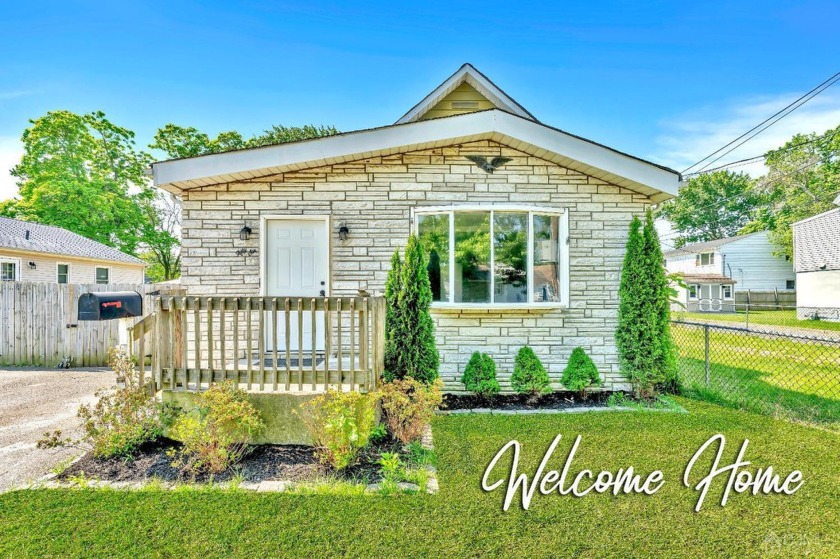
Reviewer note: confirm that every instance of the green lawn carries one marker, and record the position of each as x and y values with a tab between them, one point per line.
765	317
768	374
464	521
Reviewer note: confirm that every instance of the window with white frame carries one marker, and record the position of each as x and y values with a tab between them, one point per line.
503	256
9	269
62	273
693	290
705	259
103	275
726	291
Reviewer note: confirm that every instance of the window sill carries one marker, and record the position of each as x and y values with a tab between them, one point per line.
490	307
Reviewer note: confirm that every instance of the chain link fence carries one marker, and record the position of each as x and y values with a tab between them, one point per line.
823	322
782	373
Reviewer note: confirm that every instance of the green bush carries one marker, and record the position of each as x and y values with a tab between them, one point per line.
410	348
409	405
580	373
122	418
529	375
217	433
340	424
480	375
643	339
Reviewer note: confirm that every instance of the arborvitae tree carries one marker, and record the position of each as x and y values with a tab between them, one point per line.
413	335
643	335
529	375
480	375
580	373
393	287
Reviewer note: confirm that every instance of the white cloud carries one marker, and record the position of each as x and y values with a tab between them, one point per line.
689	137
10	152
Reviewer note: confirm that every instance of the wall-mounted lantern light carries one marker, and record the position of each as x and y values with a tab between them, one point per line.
245	233
32	265
343	231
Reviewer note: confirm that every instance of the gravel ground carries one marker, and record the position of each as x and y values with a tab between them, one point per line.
33	401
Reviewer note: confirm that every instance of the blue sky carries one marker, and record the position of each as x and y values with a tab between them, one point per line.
666	81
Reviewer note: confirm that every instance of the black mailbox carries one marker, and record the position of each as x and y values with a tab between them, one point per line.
108	306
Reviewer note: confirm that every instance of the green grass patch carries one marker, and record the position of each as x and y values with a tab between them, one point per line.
786	377
764	317
463	520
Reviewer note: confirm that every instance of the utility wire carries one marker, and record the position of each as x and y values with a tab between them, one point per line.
767	123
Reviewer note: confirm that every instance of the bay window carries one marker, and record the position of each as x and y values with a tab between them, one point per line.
504	256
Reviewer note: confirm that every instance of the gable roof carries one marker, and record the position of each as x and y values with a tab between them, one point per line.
708	246
523	134
55	240
481	83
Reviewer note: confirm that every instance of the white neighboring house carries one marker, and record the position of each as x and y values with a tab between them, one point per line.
713	269
816	258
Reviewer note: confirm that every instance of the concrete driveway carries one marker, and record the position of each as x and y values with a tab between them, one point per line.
32	402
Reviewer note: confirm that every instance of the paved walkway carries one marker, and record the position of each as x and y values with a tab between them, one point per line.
32	402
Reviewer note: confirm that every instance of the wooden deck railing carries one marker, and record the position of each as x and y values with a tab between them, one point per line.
261	343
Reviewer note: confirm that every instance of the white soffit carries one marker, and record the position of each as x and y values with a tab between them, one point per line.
520	133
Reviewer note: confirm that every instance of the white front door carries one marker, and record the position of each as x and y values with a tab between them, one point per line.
296	258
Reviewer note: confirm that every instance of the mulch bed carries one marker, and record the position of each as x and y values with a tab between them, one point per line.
553	401
263	463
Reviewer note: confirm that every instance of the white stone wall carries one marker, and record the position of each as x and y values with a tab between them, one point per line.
375	196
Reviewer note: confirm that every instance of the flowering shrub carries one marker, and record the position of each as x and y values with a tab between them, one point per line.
340	424
409	406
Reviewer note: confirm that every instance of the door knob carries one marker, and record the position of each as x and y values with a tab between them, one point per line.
323	293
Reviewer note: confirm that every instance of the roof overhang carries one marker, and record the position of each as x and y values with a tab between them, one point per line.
567	150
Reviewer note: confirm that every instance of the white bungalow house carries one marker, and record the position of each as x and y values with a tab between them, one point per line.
713	271
816	258
525	226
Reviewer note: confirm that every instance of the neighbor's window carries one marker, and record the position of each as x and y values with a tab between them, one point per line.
103	275
790	284
705	259
693	290
726	290
8	270
63	273
500	256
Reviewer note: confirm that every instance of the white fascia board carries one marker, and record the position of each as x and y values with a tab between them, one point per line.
576	153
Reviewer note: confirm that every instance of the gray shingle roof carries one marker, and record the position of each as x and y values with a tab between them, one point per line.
55	240
816	242
708	246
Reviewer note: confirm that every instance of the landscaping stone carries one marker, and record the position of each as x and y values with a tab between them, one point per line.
406	486
272	486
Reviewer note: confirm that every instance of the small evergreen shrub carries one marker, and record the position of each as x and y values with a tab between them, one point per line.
121	420
217	433
409	405
480	375
341	424
529	375
393	288
580	373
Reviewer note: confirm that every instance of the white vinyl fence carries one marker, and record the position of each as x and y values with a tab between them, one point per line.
39	323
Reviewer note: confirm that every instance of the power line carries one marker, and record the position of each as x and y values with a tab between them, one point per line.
767	123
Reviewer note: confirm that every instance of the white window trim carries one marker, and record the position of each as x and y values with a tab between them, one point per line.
16	262
696	291
731	291
57	264
95	268
562	213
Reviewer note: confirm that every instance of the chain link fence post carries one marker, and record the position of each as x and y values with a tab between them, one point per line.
706	360
748	316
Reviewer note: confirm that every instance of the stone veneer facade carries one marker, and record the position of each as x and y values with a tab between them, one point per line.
375	196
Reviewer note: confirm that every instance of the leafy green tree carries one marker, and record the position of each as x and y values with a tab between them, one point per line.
643	337
186	141
414	351
84	173
529	375
480	375
803	179
712	206
580	373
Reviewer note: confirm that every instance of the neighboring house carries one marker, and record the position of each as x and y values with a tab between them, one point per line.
713	270
523	250
43	253
816	257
